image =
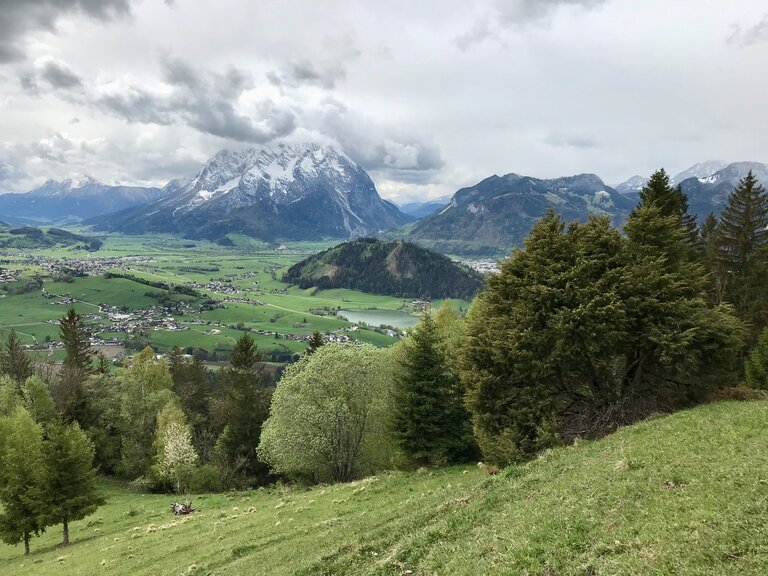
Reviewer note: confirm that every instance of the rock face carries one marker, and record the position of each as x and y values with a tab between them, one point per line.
394	268
710	193
304	192
500	210
73	199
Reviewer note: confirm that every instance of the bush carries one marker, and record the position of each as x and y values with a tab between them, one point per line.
756	365
206	478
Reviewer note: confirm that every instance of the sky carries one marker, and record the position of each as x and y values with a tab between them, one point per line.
428	96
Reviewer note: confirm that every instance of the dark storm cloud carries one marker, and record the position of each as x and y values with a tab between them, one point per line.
59	75
750	35
325	69
206	101
20	17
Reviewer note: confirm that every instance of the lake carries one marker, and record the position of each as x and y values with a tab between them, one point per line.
395	318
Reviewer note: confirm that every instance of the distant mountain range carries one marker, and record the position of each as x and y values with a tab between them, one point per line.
500	210
311	192
71	200
303	192
707	184
394	268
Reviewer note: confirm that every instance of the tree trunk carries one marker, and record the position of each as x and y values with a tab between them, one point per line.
65	542
26	543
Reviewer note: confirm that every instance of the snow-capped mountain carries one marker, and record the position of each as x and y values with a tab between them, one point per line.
299	192
76	198
500	210
710	193
700	170
632	185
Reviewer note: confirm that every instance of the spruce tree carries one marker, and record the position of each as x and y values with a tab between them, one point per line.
70	479
744	248
76	338
247	399
315	341
14	361
670	201
756	365
710	236
430	418
22	474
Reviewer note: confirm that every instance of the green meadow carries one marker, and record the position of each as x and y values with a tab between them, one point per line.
685	494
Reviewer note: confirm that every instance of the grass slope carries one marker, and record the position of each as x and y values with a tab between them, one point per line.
684	494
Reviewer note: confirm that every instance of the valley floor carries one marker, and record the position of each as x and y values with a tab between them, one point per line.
680	494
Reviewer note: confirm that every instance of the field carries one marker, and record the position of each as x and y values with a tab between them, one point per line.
685	494
277	315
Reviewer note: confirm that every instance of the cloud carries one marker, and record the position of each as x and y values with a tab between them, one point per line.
751	35
325	68
557	140
515	13
206	101
18	18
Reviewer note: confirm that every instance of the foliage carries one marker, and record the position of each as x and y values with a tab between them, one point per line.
744	250
431	425
70	479
395	268
315	341
38	401
14	360
22	474
756	364
176	456
582	319
76	339
330	413
247	398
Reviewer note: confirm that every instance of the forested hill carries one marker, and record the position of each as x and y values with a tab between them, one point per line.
394	268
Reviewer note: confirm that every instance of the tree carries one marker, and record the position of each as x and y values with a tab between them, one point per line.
76	338
22	473
744	249
191	383
68	393
38	401
711	241
14	360
175	454
330	415
315	341
430	421
247	399
70	479
756	365
670	201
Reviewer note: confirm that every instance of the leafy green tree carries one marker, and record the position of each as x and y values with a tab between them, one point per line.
331	415
315	341
14	360
430	423
22	474
70	479
38	401
744	250
248	395
756	365
175	455
10	397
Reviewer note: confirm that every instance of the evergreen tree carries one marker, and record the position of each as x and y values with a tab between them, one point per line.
670	201
756	365
22	474
247	399
38	401
710	236
14	360
192	385
430	419
70	479
744	248
315	341
76	338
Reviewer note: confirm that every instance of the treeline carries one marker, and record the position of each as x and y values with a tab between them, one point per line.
394	268
173	288
37	238
583	330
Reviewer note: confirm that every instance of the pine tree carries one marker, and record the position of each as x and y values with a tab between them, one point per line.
247	402
743	249
70	479
430	418
76	338
14	360
710	254
22	473
670	201
315	341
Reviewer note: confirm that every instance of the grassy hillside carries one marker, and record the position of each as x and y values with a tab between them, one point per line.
684	494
